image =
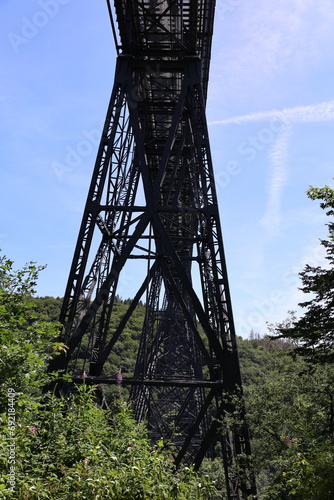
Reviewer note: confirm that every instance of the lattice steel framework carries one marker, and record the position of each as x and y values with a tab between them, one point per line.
152	197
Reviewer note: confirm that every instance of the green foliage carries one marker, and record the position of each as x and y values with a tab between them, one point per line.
53	448
47	308
26	342
73	449
294	405
310	475
291	414
213	472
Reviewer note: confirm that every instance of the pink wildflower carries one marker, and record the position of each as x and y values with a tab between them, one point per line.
33	429
119	377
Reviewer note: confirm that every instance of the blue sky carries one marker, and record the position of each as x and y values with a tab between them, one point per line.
270	112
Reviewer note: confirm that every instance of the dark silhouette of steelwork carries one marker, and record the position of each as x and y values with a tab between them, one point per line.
152	200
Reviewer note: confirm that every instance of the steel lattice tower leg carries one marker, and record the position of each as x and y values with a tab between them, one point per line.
152	198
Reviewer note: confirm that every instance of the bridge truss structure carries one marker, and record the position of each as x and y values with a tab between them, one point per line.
152	203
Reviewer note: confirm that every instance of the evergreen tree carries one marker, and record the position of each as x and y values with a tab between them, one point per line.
314	331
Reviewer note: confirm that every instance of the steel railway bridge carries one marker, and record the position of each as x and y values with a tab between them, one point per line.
152	201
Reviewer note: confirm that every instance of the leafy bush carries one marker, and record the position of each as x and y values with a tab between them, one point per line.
71	448
53	448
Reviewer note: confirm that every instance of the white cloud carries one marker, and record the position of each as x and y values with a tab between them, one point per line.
278	178
278	153
263	51
319	112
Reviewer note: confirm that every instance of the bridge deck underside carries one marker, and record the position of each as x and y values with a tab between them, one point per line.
167	30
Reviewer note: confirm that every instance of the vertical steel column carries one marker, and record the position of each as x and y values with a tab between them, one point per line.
152	198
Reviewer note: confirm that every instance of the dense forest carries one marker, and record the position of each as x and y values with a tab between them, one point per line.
61	449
